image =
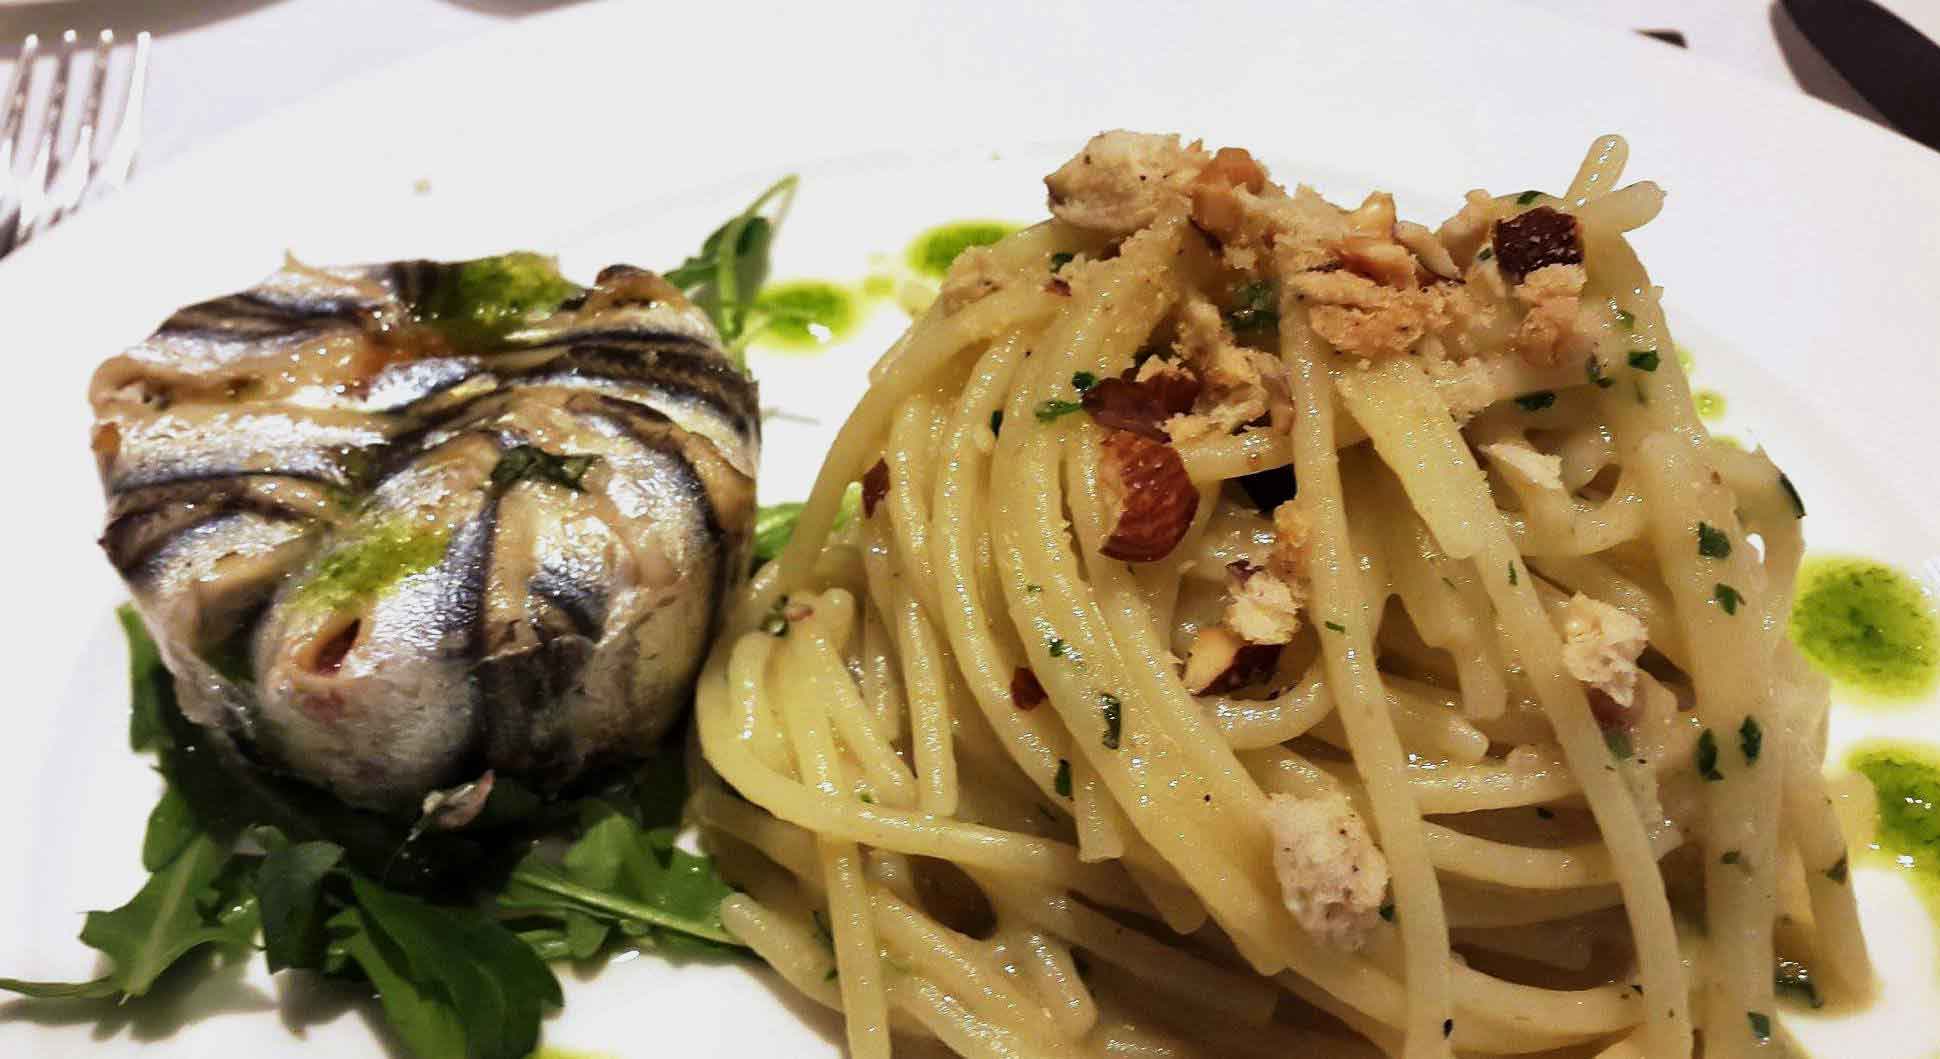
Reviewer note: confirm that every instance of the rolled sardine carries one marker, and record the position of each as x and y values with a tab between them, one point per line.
402	527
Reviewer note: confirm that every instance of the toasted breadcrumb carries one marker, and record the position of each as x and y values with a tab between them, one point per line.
1549	331
1332	876
1121	180
974	275
1601	645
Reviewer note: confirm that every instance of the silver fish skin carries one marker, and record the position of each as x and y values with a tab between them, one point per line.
403	527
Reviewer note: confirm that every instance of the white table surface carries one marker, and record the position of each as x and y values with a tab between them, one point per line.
221	63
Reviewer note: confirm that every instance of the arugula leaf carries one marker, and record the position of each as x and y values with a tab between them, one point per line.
171	827
497	987
165	920
775	523
727	273
627	877
289	882
98	989
428	1025
150	686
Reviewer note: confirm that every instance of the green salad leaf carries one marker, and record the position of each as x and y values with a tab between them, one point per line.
774	524
150	683
173	914
289	883
424	1021
461	974
726	275
620	876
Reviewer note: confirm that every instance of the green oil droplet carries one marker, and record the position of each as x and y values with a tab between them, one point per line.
934	250
807	314
1906	794
1869	627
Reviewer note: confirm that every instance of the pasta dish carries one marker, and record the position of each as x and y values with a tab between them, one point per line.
1271	628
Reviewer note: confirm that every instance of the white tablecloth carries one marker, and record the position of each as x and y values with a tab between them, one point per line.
221	63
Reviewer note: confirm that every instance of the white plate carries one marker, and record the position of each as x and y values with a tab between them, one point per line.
1800	249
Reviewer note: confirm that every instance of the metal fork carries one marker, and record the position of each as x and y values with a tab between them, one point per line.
62	172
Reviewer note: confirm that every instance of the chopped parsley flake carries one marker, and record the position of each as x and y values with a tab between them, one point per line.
1033	589
1727	597
1644	359
1062	782
1618	740
1334	625
996	421
1838	872
1707	756
1536	402
1593	371
1793	978
1625	320
1083	380
1751	738
1114	718
1761	1025
1061	259
1528	197
1057	647
1253	307
1053	410
1712	541
1512	574
1387	911
1731	856
1485	253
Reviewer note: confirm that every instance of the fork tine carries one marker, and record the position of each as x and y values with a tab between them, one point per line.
18	83
119	160
13	136
36	198
80	161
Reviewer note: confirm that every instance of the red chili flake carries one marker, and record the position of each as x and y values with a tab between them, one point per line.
1025	691
875	486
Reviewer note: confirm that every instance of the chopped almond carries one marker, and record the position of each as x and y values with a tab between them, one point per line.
1149	499
1221	661
1382	260
1025	691
1291	529
1427	248
875	486
1215	207
1535	238
1142	405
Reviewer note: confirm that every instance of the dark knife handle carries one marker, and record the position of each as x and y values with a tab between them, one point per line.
1889	62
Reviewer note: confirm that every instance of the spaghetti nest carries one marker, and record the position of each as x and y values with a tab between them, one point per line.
1281	629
